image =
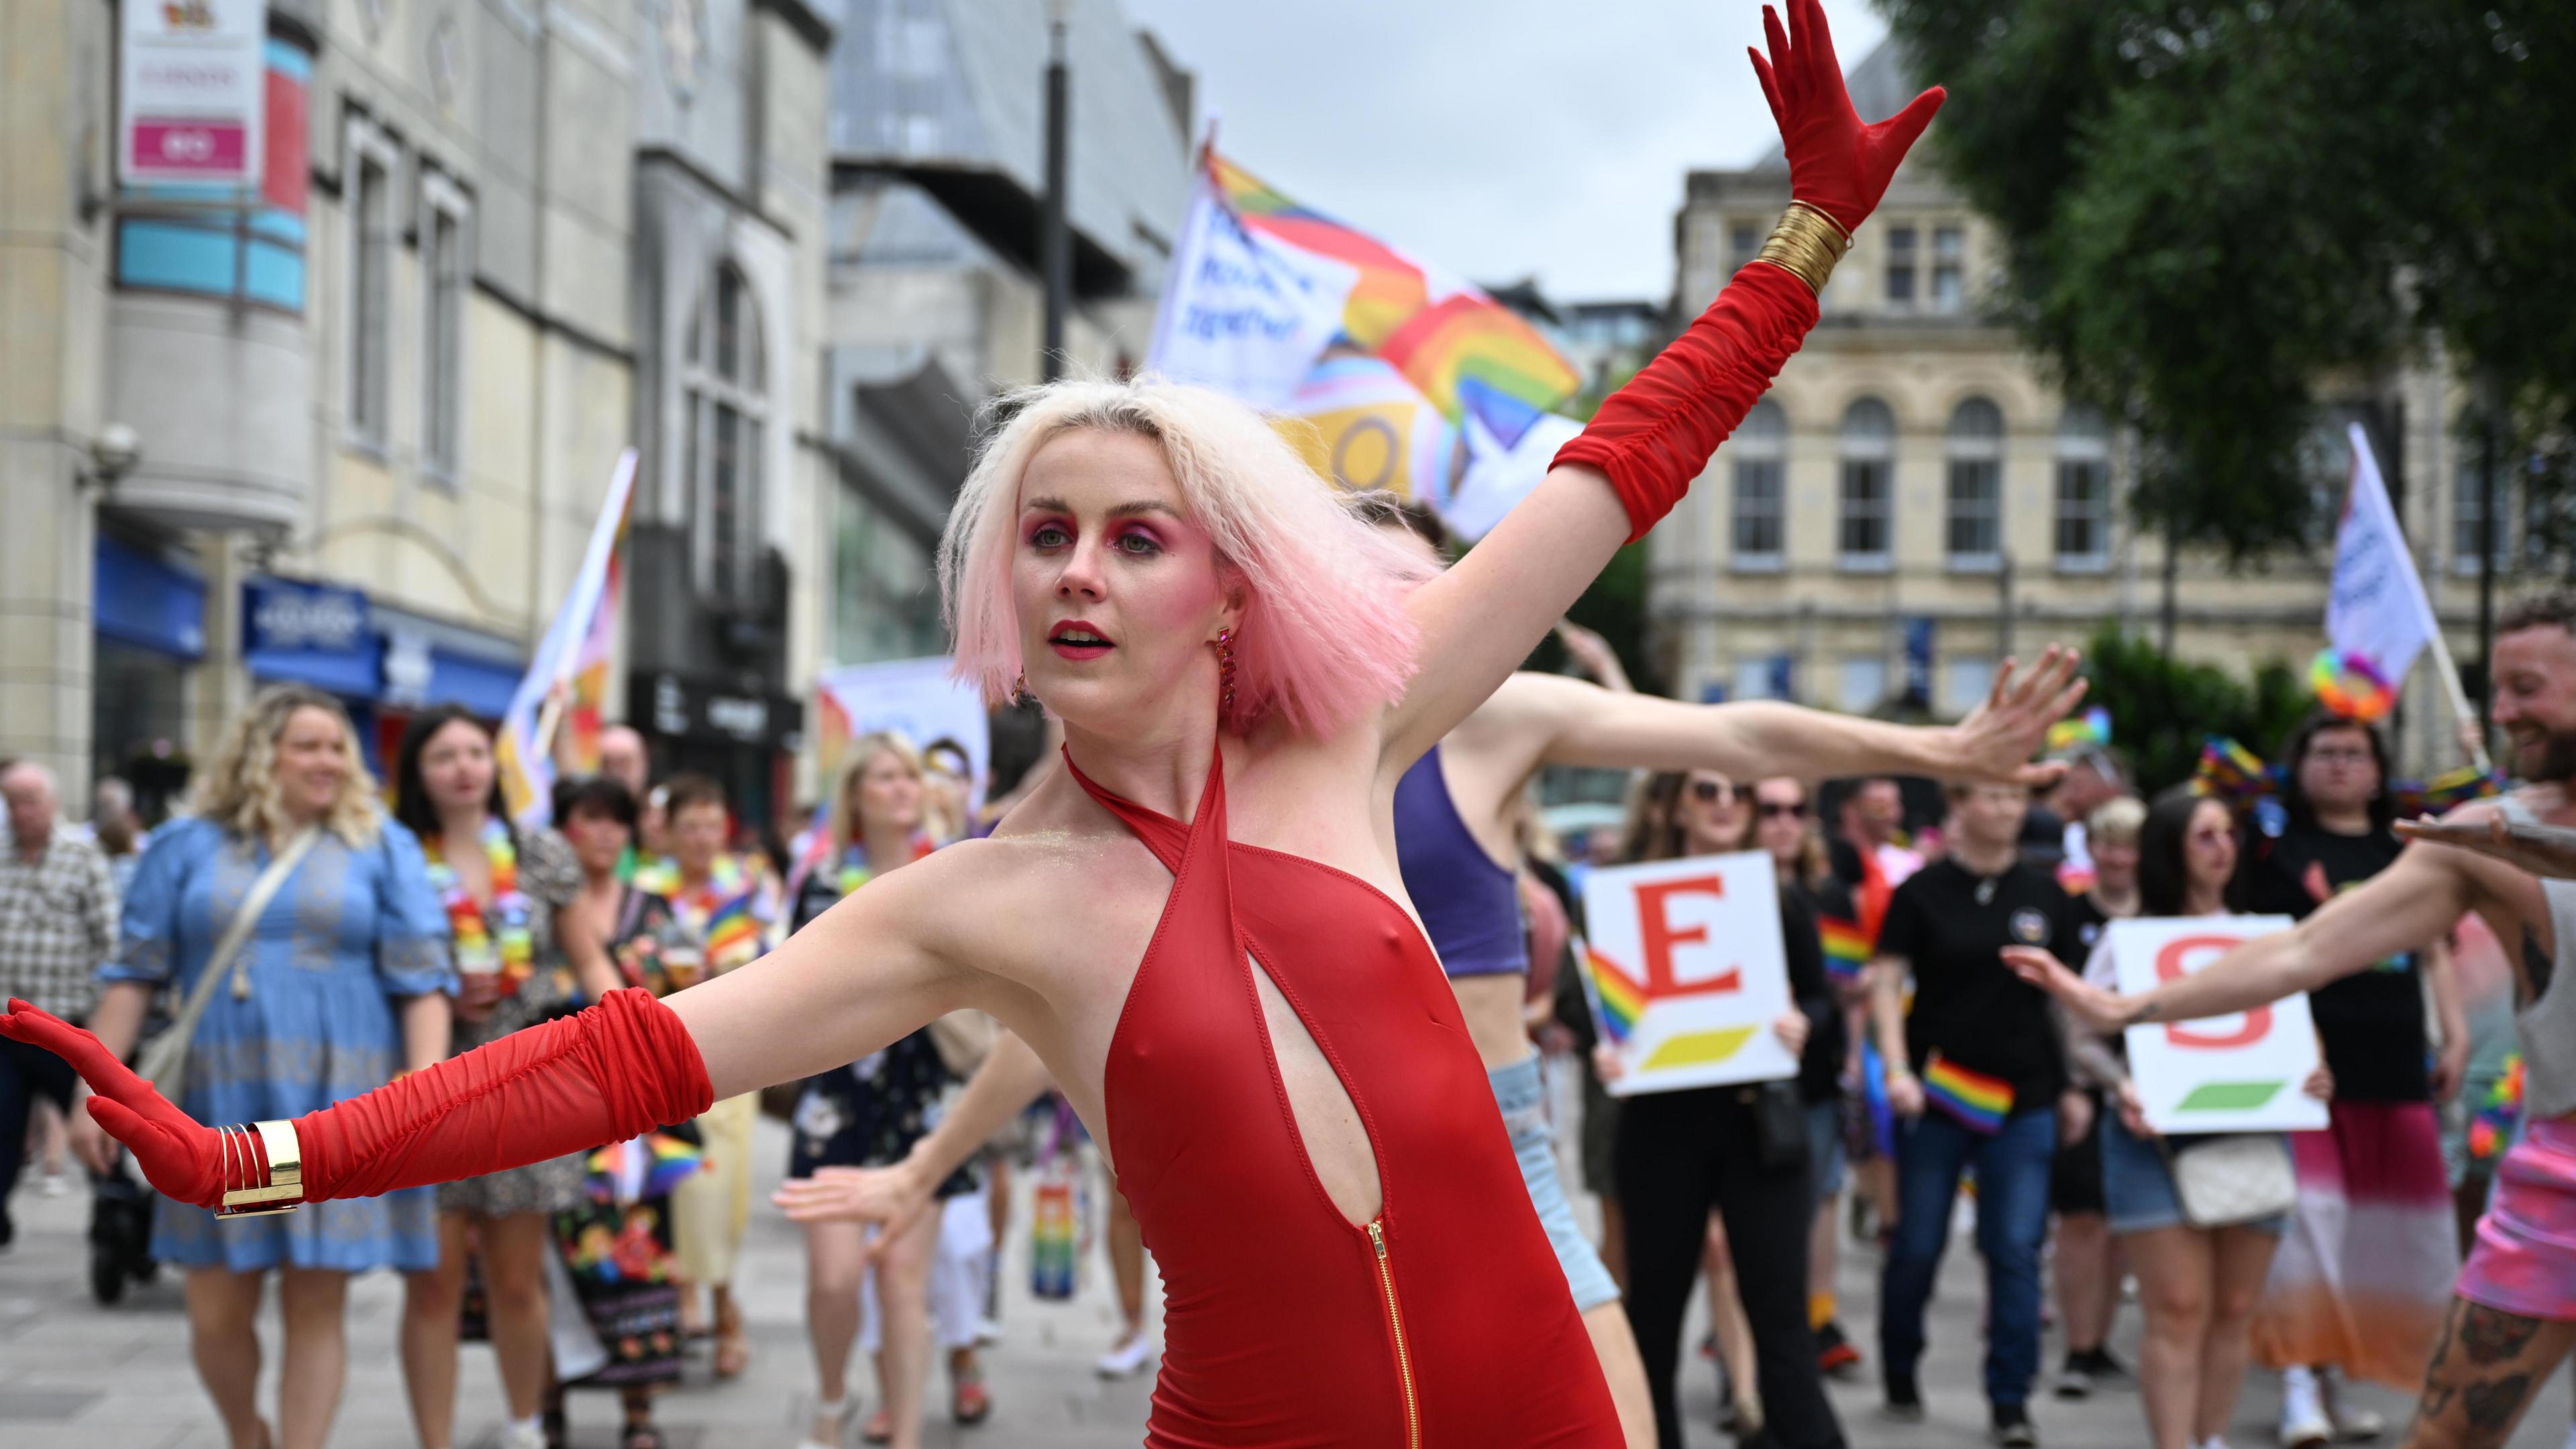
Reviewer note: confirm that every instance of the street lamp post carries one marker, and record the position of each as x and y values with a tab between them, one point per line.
1055	238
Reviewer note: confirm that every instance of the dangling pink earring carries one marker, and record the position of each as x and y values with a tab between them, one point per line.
1225	666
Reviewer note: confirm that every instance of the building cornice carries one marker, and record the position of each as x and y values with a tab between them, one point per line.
804	19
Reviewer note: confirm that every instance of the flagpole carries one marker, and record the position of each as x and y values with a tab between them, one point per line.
2460	701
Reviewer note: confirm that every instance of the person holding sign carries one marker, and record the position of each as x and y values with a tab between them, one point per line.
1974	1075
2365	1271
2512	1318
2198	1283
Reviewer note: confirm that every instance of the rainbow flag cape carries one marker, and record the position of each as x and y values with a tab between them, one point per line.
1846	947
1617	1001
1468	354
1978	1101
570	668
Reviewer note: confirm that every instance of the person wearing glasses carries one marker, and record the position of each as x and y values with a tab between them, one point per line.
1784	826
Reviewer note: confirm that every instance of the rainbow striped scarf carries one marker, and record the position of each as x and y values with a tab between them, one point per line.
1979	1102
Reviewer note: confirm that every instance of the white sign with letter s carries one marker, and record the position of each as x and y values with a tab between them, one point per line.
2240	1073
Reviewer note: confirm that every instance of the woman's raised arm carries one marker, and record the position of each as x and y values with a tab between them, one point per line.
1648	441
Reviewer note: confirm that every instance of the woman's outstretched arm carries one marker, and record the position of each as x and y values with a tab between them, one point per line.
1647	442
866	973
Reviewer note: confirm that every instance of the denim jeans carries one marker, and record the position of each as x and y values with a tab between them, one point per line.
1932	1152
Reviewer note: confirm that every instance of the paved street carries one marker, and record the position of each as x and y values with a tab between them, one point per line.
75	1376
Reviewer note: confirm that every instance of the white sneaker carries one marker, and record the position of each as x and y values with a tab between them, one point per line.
2352	1424
1128	1358
56	1184
519	1436
2305	1426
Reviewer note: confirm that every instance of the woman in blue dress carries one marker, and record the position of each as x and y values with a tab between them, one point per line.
341	984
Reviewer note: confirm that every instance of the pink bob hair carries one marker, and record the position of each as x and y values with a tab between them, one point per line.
1324	637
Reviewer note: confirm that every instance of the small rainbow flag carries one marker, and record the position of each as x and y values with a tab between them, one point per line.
733	937
2491	1129
2446	792
642	1167
1846	947
1978	1101
1621	1000
2232	772
2092	727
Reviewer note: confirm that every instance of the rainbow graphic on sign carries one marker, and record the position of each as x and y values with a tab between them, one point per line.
1620	1000
2229	1096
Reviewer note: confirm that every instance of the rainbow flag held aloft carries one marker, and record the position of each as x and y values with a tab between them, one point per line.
1620	1001
568	675
1846	947
1979	1102
2231	771
1466	352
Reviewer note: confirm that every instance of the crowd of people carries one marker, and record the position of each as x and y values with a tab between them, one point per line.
1280	912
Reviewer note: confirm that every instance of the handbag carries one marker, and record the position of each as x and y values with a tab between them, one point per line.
2231	1178
1779	1124
164	1060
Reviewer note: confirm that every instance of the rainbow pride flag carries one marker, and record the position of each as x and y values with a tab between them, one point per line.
1470	355
733	935
1846	947
2447	792
1978	1101
1620	1000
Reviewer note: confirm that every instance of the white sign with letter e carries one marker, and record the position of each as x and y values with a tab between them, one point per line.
2239	1073
1686	972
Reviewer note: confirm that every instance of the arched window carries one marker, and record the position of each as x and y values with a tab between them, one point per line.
728	411
2083	489
1759	453
1868	485
1975	450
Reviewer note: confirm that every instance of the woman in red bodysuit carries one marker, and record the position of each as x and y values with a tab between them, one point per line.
1201	926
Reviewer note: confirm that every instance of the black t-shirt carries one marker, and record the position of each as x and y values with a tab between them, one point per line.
1828	1040
1951	926
2372	1022
2090	921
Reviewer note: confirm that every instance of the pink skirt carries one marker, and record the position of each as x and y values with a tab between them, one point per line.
2363	1276
2525	1259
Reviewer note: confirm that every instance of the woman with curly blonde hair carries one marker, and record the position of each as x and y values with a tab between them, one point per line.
341	982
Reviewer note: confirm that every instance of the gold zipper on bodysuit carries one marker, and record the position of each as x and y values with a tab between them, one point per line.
1395	1321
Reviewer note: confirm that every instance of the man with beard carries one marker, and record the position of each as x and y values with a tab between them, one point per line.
2513	1313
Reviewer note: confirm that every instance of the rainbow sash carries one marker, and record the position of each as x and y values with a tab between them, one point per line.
1979	1102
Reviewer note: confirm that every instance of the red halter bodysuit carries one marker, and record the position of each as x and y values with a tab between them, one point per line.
1443	1322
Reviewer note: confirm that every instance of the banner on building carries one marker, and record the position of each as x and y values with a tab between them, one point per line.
192	92
1686	971
1279	305
917	699
568	676
2239	1073
2376	607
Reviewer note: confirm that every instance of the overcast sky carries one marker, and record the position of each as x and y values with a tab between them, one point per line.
1497	138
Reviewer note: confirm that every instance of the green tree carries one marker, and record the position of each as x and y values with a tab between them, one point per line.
2164	710
2207	208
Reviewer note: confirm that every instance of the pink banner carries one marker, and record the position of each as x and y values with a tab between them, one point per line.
184	148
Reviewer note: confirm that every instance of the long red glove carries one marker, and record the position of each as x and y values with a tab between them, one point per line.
603	1075
1653	436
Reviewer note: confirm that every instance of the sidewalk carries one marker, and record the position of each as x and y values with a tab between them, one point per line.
77	1376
